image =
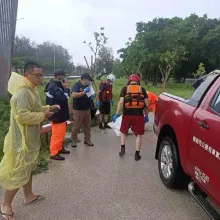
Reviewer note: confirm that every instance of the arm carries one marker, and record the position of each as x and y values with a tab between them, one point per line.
146	108
120	105
59	94
21	107
75	93
45	108
98	94
101	88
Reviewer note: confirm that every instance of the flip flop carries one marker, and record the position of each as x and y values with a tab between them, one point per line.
38	198
5	215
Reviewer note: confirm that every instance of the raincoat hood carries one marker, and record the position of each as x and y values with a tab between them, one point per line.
16	81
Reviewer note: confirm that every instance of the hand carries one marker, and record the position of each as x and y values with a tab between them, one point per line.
87	89
92	97
65	84
98	104
48	113
112	102
146	119
54	108
115	116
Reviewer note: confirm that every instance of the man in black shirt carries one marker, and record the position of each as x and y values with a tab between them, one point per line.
82	109
133	100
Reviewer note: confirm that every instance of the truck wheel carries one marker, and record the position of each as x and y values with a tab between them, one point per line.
170	170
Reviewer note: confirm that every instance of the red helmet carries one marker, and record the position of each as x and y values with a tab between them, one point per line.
134	77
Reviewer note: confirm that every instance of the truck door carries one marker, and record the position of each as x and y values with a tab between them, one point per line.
203	152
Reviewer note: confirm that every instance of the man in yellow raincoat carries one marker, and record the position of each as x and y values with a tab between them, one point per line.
22	143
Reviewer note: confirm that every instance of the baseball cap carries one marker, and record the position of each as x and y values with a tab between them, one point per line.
59	72
86	76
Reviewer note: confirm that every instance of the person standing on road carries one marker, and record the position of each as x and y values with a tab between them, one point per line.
104	101
58	93
22	143
82	109
133	100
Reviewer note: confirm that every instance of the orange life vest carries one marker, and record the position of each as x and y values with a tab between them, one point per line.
106	94
134	97
152	99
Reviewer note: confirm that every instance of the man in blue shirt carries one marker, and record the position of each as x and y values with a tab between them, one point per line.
82	109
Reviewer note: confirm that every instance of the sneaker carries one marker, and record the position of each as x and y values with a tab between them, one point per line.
107	126
137	157
57	157
89	143
101	126
64	151
74	143
122	153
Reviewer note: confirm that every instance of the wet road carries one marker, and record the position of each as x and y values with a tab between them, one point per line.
96	184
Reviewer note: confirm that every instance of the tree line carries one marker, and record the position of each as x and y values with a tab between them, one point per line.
174	47
52	56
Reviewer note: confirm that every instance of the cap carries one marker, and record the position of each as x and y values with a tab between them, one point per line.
59	72
86	76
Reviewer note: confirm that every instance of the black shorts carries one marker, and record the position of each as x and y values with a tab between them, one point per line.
105	108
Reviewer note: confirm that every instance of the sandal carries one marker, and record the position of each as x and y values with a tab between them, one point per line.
38	198
5	215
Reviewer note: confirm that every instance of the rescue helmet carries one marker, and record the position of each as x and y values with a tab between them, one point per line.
134	77
111	77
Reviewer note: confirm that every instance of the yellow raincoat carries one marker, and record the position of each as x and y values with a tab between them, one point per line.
22	143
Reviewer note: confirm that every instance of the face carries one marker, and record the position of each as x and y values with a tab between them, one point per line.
60	78
133	83
35	76
85	82
109	82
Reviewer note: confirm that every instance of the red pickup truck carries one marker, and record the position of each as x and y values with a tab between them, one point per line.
188	146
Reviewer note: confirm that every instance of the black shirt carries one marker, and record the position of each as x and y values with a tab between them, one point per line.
83	102
57	95
132	111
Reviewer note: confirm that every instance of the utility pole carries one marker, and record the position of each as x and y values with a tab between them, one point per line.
54	57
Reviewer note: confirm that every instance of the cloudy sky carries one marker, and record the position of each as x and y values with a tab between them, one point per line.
70	22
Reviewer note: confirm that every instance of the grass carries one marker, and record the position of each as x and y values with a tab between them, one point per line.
183	90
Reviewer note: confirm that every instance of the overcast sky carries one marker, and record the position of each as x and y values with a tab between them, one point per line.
70	22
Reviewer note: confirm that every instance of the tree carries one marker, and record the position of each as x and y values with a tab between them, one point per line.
200	71
100	41
168	61
104	63
118	70
25	50
173	46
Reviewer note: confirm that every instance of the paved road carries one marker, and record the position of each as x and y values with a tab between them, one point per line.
96	184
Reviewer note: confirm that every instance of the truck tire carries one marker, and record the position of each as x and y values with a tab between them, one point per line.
170	169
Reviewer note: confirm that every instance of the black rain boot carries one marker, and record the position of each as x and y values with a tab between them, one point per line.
137	156
64	151
107	126
101	126
57	157
122	153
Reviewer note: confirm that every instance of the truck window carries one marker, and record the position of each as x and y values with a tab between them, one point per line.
198	94
215	104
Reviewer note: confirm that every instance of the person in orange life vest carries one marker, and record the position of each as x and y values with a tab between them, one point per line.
57	92
152	99
133	100
104	101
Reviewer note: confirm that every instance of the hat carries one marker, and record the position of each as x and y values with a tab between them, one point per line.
86	76
134	77
59	72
